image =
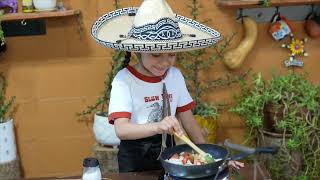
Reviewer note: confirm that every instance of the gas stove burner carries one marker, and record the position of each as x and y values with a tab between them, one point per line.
223	175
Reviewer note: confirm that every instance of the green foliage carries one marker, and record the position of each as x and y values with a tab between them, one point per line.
298	101
193	63
1	32
5	106
102	101
265	3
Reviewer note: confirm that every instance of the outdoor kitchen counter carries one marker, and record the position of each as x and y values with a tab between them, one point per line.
246	173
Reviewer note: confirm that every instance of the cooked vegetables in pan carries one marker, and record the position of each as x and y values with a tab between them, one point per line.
189	159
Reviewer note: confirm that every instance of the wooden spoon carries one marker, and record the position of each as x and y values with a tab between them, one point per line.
185	139
167	112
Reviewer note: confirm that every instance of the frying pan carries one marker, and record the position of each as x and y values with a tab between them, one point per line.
219	153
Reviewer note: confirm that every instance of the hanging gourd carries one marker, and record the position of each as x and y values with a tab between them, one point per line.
234	58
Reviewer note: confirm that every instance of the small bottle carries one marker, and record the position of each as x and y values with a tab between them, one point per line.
27	6
91	169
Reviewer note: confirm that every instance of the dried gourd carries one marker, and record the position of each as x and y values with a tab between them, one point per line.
234	58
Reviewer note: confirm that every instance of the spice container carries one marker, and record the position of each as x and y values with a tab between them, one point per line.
27	6
91	169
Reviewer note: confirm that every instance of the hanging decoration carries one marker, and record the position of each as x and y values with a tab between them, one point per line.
296	48
312	26
280	27
234	58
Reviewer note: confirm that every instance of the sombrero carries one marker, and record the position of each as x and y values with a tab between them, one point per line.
152	27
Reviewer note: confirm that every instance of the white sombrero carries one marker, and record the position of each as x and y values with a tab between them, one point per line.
152	28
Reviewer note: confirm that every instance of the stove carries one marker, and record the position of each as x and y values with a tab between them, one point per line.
223	175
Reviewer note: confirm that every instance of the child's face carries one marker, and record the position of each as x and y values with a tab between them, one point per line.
158	63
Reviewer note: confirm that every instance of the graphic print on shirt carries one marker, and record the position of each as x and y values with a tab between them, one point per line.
156	113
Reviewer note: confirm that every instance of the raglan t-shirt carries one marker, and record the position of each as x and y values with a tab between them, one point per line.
139	97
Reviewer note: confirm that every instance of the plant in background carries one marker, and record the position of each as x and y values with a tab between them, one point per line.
2	40
102	102
296	104
5	105
194	64
265	3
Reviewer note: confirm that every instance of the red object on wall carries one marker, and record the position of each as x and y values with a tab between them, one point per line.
312	26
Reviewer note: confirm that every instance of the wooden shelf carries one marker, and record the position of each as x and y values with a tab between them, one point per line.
39	15
258	3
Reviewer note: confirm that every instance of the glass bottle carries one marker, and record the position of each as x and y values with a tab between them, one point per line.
27	6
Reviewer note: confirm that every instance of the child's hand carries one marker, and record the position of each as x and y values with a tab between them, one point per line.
236	164
169	125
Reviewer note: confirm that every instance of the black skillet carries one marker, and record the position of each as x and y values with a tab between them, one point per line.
219	153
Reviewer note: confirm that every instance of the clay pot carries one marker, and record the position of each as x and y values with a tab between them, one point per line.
312	26
272	114
291	168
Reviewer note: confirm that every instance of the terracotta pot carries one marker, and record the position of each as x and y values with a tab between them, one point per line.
289	169
272	114
312	26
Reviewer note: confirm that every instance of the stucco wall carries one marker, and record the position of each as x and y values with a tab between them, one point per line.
56	75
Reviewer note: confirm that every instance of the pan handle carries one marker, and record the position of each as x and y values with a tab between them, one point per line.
239	156
258	150
238	147
267	150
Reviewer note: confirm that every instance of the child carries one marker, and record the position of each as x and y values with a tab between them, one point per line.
155	34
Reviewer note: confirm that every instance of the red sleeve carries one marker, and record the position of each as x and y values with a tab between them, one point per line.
113	116
186	107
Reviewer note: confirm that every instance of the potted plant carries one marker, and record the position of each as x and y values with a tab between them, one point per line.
8	151
103	131
284	111
194	64
2	41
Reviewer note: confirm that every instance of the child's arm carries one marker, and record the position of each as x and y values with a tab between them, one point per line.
191	126
129	131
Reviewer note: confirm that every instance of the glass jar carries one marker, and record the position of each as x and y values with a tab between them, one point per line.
91	169
27	6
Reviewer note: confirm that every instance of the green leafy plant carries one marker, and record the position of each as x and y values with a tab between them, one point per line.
297	105
2	41
265	3
5	105
102	101
195	63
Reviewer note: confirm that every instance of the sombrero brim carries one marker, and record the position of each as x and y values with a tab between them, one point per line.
111	29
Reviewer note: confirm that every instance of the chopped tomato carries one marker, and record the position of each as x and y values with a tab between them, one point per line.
185	159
